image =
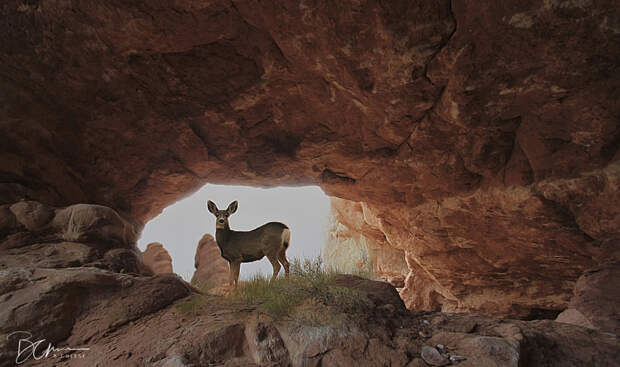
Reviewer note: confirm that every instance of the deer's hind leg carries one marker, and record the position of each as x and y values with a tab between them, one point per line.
234	272
282	258
276	266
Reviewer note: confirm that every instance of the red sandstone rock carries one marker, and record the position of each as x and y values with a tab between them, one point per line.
36	235
28	222
482	136
235	335
596	299
157	258
211	269
356	243
79	304
575	317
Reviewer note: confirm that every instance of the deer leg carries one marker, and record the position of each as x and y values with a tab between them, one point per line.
276	266
235	271
284	261
230	273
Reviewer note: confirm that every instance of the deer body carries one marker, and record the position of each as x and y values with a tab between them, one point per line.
236	247
251	245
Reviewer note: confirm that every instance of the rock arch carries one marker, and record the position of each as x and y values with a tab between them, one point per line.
482	140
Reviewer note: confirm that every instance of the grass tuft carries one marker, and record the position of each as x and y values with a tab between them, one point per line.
193	304
307	294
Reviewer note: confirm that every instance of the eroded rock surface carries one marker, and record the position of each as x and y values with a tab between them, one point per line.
596	299
157	258
33	234
236	335
77	305
481	136
211	268
356	243
72	275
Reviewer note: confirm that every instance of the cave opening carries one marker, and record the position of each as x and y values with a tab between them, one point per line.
180	226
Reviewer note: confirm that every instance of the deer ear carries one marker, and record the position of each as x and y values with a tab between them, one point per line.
211	206
232	207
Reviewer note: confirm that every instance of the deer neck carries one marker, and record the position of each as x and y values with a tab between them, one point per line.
222	235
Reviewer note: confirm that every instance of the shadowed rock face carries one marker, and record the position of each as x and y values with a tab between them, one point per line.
383	334
157	258
482	137
211	269
33	234
72	274
595	300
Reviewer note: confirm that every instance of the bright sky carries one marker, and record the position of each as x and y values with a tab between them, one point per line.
181	225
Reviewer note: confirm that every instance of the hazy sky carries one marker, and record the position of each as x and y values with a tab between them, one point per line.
181	225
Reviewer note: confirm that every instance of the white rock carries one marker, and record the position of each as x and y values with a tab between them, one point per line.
431	356
456	358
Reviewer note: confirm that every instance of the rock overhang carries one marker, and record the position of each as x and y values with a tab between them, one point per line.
475	134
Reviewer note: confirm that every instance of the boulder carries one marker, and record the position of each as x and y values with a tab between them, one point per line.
596	299
78	304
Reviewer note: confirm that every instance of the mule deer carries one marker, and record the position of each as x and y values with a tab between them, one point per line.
236	247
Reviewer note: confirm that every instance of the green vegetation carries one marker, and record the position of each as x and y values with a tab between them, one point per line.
308	296
307	293
193	304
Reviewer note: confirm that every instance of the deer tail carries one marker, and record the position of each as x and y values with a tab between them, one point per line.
286	237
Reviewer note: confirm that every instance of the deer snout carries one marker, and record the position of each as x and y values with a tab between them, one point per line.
221	220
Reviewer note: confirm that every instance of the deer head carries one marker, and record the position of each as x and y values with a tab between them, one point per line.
221	216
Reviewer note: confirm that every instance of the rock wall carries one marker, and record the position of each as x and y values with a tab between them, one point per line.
355	244
482	136
211	269
157	258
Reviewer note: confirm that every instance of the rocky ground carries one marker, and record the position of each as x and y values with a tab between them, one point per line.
213	333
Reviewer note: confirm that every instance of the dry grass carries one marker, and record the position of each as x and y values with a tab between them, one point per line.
307	296
308	288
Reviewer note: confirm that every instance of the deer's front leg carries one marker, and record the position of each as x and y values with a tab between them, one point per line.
230	273
235	266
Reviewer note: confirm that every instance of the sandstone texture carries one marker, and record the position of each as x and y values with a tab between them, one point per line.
218	335
596	299
211	268
478	139
72	275
356	244
76	305
36	235
157	258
